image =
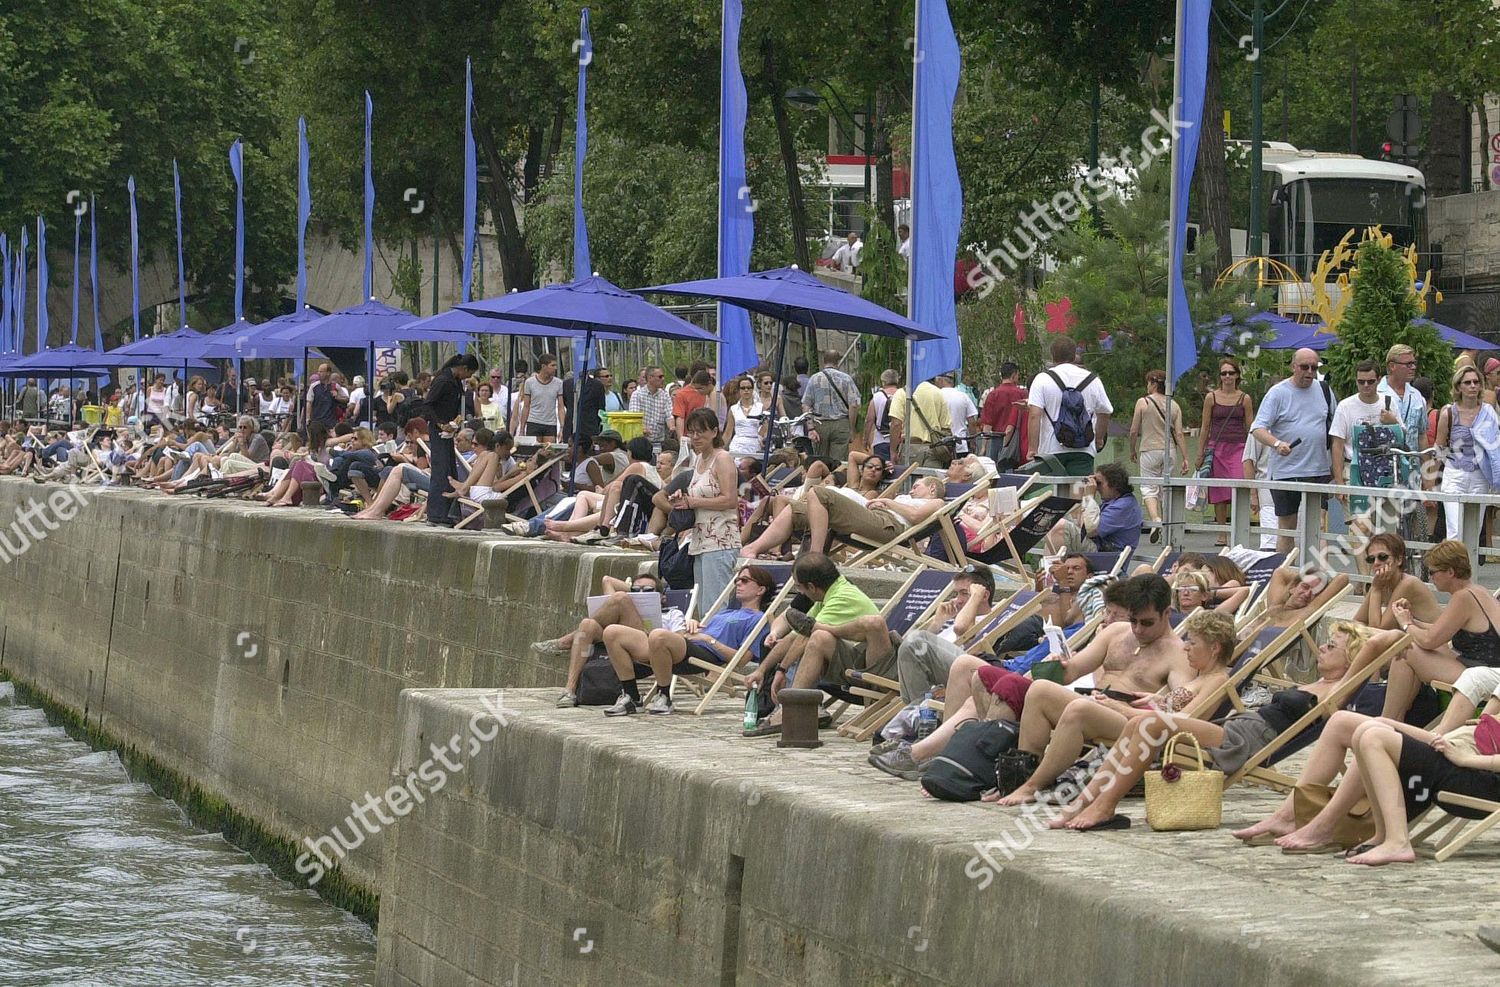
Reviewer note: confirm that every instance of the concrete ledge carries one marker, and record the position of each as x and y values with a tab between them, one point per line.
259	654
693	856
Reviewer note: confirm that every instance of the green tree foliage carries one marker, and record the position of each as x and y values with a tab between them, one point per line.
1380	315
93	92
1115	280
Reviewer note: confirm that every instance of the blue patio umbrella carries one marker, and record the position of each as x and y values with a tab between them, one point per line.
589	305
1285	333
792	295
243	340
1456	338
61	361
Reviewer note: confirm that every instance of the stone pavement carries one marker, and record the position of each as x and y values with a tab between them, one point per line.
848	875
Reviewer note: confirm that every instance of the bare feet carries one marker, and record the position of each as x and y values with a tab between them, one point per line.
1400	853
1276	825
1020	796
1307	836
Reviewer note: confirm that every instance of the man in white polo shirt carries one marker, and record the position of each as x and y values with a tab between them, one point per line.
1051	421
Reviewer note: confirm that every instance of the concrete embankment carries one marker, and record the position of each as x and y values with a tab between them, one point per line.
258	659
259	654
575	849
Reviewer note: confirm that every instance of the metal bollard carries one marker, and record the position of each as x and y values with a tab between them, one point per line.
312	493
799	718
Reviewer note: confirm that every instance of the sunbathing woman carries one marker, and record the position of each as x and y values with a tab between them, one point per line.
1327	760
1230	742
1060	726
1466	633
1385	554
288	493
484	471
409	476
1227	582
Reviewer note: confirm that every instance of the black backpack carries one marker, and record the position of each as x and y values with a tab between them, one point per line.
1073	426
598	685
674	563
966	768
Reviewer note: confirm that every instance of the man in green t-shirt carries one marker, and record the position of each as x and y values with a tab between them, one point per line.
843	629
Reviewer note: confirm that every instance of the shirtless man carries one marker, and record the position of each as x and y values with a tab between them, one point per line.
1129	661
825	510
1294	595
1385	554
480	485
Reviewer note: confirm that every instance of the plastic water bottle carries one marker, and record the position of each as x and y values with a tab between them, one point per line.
752	708
927	718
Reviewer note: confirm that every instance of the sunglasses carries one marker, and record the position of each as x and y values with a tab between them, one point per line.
743	579
1222	373
1371	382
643	588
1304	366
1379	557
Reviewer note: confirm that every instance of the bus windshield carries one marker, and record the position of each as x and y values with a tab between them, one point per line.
1324	209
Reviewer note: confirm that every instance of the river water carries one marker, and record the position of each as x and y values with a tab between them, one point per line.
102	882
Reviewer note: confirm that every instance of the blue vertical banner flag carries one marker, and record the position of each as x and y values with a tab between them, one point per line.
237	167
937	202
1190	80
304	210
471	182
369	204
94	276
42	326
77	250
135	266
5	287
471	189
20	285
736	207
583	264
181	267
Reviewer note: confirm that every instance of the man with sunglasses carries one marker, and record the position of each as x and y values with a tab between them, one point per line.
1364	407
1129	662
1295	422
1406	406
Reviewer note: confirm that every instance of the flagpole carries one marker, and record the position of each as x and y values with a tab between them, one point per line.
911	385
1169	520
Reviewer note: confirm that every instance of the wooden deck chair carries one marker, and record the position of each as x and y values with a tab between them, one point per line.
1257	653
894	487
1023	531
905	546
915	602
1460	821
720	676
1256	770
1022	604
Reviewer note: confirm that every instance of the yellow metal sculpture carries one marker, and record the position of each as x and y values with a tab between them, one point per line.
1329	306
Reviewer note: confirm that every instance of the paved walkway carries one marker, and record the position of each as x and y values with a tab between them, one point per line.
1399	925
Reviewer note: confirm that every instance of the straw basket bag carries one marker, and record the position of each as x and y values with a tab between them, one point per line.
1181	799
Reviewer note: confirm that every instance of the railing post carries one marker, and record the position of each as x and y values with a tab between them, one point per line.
1174	517
1471	523
1310	526
1240	517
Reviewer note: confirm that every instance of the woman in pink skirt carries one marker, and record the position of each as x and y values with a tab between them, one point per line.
1227	414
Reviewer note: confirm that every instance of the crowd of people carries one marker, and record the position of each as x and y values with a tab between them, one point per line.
725	478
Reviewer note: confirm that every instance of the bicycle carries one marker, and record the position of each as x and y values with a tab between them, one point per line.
1406	487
